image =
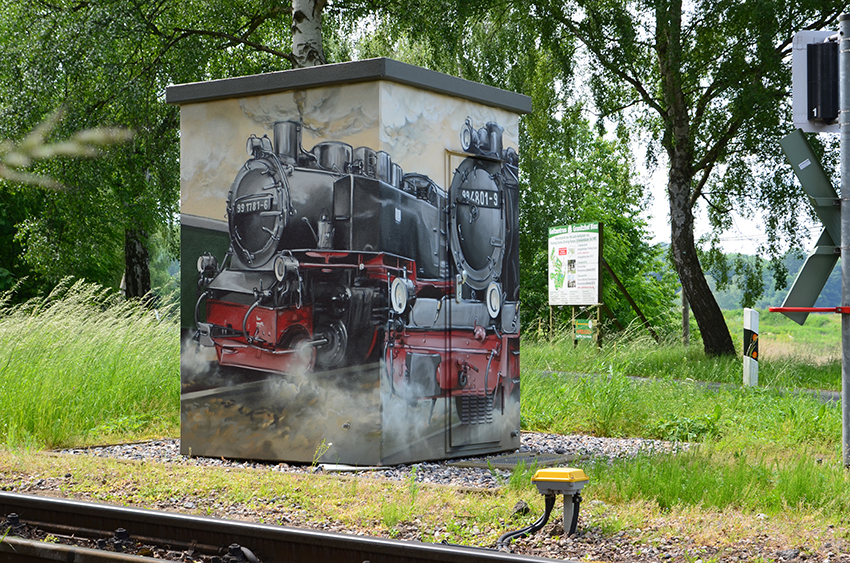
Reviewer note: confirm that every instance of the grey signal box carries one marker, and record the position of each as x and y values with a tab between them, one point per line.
822	79
814	73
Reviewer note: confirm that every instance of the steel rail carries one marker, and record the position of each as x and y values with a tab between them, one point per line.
16	550
271	544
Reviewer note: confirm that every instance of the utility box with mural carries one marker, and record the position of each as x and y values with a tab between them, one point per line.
350	275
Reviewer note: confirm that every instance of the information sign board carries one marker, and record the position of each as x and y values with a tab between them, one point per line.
574	272
584	329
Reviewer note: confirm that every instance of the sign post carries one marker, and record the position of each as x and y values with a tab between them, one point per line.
575	271
584	329
844	129
817	115
751	348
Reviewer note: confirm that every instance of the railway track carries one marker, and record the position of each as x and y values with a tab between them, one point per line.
138	535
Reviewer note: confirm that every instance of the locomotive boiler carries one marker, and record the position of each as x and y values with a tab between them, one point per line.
339	258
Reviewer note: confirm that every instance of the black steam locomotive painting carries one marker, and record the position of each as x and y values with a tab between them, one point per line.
339	258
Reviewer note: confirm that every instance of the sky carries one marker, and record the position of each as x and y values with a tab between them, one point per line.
744	237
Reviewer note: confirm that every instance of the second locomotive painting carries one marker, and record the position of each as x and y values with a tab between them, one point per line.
349	309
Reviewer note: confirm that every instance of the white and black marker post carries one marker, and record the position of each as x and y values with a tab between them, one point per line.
751	348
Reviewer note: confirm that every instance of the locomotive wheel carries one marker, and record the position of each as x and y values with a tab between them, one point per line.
332	353
305	353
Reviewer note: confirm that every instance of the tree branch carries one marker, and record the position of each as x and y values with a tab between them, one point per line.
609	65
74	8
234	39
721	210
718	148
620	108
700	187
259	20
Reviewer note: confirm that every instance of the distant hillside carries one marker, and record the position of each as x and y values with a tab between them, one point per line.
730	298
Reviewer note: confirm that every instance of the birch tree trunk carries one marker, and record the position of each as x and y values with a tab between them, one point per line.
678	141
307	33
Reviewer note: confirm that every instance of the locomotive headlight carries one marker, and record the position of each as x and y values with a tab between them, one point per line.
401	293
207	261
466	134
279	267
493	297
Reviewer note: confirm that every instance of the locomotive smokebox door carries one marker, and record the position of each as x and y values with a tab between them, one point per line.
478	221
350	286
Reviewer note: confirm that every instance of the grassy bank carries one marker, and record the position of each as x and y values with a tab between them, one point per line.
711	479
82	365
648	498
687	396
766	450
790	355
740	419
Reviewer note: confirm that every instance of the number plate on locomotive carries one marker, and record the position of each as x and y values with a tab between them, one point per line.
481	198
253	205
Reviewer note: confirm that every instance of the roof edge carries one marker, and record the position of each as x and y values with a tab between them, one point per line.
347	73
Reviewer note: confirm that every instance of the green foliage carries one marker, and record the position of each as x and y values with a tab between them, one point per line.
569	173
15	207
594	183
321	450
165	268
108	64
705	85
83	366
15	159
686	429
392	514
792	356
110	372
746	272
608	400
580	390
807	356
413	486
520	478
710	479
729	283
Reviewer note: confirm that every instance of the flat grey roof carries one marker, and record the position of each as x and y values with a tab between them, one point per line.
342	73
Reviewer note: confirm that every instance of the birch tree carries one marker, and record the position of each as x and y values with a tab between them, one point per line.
307	49
707	84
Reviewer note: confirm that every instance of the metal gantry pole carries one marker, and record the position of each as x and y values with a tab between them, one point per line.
844	128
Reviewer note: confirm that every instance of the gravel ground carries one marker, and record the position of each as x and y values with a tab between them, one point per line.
725	537
442	473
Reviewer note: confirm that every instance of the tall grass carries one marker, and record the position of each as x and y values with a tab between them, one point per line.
613	405
585	389
82	365
790	357
709	479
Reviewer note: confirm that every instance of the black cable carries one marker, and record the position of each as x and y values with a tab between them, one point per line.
574	519
506	538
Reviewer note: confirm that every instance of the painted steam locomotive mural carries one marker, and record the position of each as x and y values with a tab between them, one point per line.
349	287
340	258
